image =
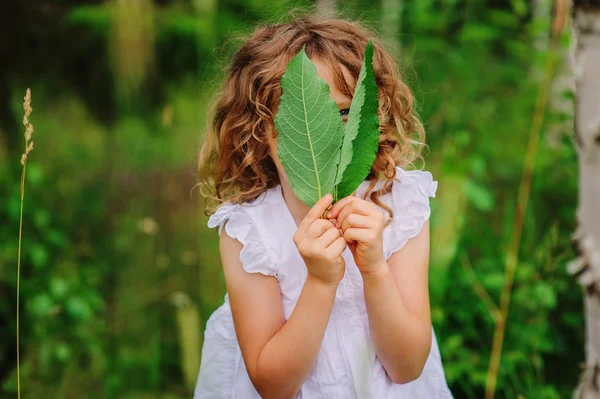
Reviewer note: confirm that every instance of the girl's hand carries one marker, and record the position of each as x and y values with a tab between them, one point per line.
321	245
362	225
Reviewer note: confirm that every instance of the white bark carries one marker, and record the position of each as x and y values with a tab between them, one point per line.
190	337
326	8
132	44
391	23
542	19
586	32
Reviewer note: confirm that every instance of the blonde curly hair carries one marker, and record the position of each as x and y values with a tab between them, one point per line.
235	164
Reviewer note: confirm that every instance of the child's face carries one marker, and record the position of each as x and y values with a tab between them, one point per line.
326	73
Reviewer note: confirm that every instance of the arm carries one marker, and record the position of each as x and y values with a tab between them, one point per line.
278	354
397	300
396	291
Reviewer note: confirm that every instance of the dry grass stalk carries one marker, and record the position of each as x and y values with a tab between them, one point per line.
523	199
28	149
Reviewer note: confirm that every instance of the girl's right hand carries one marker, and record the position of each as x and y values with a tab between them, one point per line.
321	244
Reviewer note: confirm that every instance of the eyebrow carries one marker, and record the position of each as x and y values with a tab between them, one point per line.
343	104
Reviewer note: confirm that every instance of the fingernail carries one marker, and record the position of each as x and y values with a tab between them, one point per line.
329	214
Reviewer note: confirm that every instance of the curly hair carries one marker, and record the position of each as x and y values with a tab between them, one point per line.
235	164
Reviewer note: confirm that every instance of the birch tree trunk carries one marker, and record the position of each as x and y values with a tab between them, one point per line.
391	24
586	267
326	8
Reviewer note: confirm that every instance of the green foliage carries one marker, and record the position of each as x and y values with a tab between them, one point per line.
111	230
361	140
318	156
309	131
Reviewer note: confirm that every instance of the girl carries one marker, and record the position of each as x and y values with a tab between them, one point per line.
334	307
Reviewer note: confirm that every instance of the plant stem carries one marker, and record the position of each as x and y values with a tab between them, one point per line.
517	229
478	287
19	277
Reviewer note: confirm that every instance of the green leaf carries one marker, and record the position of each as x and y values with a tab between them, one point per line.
78	308
361	141
41	304
310	131
480	196
58	287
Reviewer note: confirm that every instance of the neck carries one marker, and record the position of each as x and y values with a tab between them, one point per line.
297	208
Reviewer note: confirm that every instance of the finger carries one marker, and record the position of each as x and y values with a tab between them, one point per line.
337	207
356	220
318	227
337	246
329	236
315	212
359	235
360	207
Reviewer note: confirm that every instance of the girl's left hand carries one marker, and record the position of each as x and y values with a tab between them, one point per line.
362	225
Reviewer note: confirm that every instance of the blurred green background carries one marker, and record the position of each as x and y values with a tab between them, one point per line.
119	272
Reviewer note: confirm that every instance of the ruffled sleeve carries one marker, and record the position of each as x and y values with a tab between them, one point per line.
256	256
410	202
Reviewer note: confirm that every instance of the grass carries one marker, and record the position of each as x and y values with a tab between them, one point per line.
27	151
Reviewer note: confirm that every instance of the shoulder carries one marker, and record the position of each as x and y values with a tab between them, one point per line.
245	223
408	187
253	211
410	194
409	202
419	182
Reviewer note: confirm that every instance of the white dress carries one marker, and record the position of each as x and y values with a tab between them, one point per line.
346	365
